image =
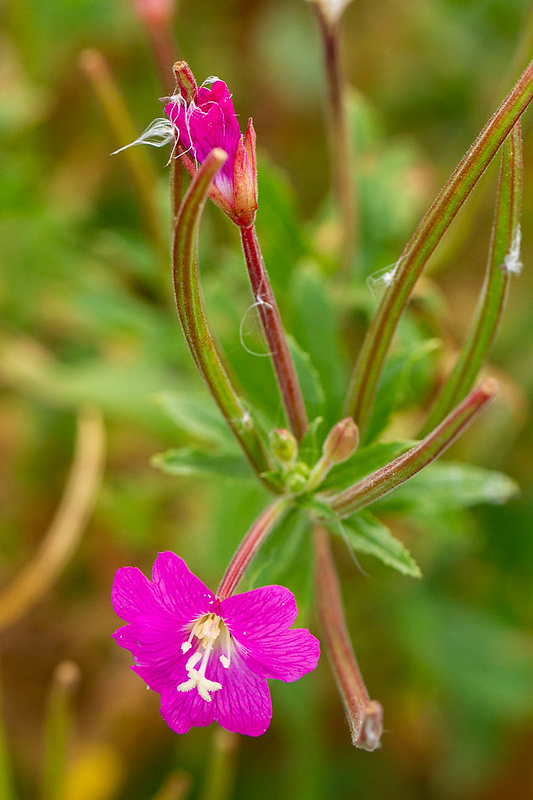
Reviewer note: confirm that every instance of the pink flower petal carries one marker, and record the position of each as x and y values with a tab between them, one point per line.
259	614
184	710
133	594
287	657
182	592
243	703
155	644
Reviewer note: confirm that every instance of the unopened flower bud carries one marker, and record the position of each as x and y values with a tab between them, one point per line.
341	442
284	446
185	80
297	479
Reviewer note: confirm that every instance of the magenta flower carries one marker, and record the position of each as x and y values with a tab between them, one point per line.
209	659
204	118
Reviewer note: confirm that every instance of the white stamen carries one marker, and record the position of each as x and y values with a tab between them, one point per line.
512	261
193	661
207	629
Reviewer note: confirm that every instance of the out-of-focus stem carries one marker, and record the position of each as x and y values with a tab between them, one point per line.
124	130
251	544
193	320
505	241
377	484
424	241
157	17
365	716
57	731
275	335
341	155
7	791
222	764
67	526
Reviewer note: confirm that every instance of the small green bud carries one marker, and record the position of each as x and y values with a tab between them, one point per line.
284	446
296	480
341	442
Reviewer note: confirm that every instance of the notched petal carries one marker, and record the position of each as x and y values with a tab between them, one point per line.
133	594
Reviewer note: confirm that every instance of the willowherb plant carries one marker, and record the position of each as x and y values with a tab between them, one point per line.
209	654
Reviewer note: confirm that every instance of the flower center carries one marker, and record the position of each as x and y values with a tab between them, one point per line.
206	630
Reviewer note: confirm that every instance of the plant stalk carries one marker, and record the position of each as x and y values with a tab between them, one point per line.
427	236
505	239
382	481
251	544
341	155
365	716
289	386
193	319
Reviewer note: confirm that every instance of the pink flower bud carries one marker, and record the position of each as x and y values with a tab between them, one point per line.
204	118
341	441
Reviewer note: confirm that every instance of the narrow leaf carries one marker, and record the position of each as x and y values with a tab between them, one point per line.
195	415
188	461
366	534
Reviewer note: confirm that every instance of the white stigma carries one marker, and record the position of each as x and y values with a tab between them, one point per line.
207	630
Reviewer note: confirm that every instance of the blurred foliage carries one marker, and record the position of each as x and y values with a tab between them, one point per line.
87	319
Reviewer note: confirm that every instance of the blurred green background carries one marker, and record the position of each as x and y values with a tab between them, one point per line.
87	320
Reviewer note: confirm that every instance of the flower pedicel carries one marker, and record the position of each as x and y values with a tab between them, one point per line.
209	659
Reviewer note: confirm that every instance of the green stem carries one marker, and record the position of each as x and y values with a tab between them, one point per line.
57	729
405	466
365	716
273	328
427	236
251	544
221	766
7	790
505	236
193	319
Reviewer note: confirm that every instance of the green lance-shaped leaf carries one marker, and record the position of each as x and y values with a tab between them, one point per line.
405	466
427	236
367	534
202	345
503	260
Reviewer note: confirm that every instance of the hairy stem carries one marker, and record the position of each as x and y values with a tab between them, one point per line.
430	231
365	716
405	466
277	342
194	321
251	544
505	244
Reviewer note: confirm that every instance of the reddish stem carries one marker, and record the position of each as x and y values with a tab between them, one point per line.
365	716
250	545
275	335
